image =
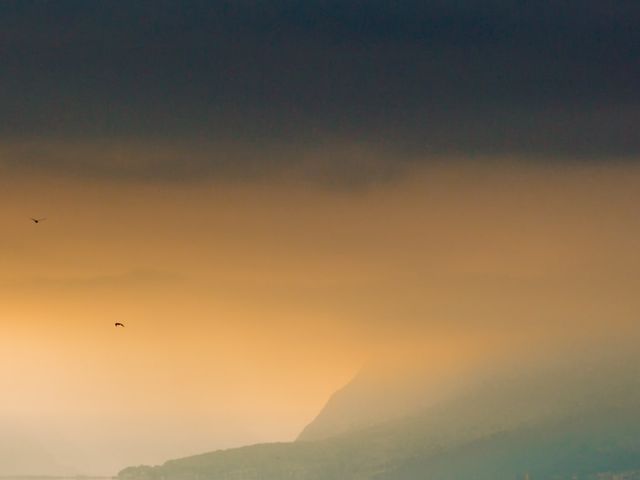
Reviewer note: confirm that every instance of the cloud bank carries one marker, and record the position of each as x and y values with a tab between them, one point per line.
553	82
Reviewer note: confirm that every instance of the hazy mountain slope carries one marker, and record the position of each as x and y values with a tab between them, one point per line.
370	398
490	398
603	441
551	422
597	441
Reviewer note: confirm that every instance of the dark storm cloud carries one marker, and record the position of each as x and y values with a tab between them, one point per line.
548	78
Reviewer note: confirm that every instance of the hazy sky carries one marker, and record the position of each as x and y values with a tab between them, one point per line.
270	194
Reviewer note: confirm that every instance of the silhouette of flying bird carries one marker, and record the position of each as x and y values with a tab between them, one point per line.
118	324
37	220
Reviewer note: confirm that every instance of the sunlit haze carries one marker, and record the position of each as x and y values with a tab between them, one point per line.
270	211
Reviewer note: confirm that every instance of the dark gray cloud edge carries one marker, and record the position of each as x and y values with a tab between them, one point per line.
557	81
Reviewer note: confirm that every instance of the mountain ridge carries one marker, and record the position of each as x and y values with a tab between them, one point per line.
547	424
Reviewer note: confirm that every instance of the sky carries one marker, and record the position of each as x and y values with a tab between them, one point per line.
271	194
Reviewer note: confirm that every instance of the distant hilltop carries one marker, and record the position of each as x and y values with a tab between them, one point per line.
560	424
